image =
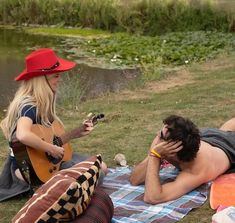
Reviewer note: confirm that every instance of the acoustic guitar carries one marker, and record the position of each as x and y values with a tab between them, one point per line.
37	166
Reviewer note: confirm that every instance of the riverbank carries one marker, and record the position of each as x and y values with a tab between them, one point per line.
156	57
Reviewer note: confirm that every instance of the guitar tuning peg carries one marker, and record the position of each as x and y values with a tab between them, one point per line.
90	115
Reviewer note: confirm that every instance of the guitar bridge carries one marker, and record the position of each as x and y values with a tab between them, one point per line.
25	172
58	142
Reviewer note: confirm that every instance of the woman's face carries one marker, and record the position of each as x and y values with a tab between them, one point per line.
53	81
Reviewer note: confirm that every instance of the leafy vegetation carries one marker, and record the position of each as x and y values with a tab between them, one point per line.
152	54
172	48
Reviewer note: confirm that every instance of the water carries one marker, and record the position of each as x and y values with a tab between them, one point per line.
227	4
16	44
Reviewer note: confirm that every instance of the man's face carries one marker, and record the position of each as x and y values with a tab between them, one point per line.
164	133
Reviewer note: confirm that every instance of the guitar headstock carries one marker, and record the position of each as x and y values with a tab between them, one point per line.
95	118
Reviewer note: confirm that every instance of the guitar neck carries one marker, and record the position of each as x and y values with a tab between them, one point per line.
76	133
73	134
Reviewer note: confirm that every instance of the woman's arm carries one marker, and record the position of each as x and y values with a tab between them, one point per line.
27	137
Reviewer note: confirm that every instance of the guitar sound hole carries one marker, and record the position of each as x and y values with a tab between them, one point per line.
56	141
53	159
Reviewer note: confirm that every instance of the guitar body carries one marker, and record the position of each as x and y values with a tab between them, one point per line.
35	165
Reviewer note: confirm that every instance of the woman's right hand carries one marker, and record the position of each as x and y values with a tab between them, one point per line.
56	151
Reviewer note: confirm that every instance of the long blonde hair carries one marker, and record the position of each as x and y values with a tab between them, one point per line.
35	92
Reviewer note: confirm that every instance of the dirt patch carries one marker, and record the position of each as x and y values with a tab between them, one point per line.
178	78
221	63
173	79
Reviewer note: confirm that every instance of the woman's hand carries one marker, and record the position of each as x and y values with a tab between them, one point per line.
167	149
56	151
86	127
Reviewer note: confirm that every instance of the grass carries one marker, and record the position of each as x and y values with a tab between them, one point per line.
203	92
69	32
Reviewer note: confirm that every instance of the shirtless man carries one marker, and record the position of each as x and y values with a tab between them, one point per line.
200	155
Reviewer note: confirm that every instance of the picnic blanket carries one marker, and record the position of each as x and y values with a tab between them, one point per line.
128	199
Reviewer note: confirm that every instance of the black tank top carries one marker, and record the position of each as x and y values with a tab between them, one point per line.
224	140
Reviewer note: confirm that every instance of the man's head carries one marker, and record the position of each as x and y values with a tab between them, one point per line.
184	130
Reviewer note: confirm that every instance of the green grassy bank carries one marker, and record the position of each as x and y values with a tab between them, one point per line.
153	55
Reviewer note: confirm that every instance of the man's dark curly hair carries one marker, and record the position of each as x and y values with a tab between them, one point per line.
183	129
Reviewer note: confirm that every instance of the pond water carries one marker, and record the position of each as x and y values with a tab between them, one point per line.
16	44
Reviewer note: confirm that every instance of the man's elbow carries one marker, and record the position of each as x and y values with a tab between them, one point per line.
150	200
133	181
153	199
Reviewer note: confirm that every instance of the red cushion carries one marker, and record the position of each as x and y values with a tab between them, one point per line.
100	210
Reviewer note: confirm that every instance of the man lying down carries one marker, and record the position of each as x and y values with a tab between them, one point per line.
201	155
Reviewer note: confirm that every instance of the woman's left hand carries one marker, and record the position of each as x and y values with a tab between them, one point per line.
86	127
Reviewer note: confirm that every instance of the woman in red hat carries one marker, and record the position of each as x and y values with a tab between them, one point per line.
34	103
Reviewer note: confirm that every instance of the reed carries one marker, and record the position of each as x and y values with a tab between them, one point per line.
71	92
148	17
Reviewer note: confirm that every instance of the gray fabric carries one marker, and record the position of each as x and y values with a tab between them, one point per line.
10	185
223	140
76	158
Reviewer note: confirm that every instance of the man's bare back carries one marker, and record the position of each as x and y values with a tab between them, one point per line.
210	162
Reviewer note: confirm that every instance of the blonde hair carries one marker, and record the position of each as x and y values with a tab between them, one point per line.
35	92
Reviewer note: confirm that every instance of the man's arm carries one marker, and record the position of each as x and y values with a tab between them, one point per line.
139	172
156	193
138	175
229	125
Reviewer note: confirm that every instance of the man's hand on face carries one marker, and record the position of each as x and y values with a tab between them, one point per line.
156	140
167	149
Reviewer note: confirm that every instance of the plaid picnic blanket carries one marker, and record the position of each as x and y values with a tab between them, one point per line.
128	200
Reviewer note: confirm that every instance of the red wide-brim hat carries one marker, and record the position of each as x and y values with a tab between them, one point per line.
43	62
